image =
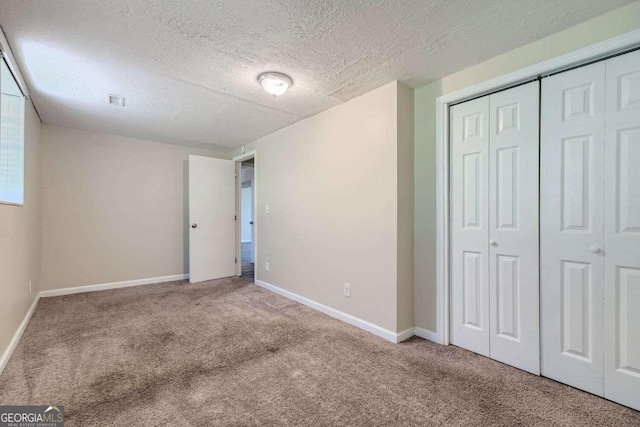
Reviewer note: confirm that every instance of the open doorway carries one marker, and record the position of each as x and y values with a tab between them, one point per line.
246	198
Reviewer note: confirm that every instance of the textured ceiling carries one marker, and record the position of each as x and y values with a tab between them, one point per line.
188	69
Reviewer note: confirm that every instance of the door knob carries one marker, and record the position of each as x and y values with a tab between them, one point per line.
594	249
493	243
251	222
194	225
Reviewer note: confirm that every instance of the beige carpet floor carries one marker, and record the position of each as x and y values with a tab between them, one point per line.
230	353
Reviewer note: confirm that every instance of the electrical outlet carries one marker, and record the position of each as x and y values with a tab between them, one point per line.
266	209
30	287
266	266
347	290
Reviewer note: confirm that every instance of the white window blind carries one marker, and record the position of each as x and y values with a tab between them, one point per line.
11	139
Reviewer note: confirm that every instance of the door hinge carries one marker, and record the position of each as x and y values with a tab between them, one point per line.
235	217
235	260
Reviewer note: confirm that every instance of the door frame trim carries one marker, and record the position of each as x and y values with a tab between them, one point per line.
238	160
573	59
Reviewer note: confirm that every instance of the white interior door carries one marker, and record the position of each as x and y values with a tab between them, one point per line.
513	227
211	218
469	124
622	231
571	218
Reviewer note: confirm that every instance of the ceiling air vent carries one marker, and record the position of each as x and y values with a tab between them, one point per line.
115	100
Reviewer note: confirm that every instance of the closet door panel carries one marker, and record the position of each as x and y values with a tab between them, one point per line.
469	129
622	231
571	221
513	227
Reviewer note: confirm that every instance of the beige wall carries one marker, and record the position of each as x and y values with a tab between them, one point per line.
113	208
331	182
615	23
20	239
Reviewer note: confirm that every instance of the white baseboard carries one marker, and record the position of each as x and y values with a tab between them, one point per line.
427	335
352	320
406	334
114	285
16	337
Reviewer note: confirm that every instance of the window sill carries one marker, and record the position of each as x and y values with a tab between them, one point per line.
20	205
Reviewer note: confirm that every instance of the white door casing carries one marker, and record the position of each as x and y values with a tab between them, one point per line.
212	211
513	227
622	231
253	219
470	225
571	218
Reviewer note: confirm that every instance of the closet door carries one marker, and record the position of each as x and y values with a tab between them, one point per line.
469	129
513	227
571	220
622	231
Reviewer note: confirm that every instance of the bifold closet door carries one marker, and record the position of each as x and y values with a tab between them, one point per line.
494	226
622	231
514	287
469	130
571	221
590	228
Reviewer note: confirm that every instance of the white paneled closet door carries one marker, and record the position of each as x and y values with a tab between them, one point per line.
571	220
469	124
513	227
590	228
494	226
622	231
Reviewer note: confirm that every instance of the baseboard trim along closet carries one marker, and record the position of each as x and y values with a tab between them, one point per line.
427	335
404	335
114	285
16	337
336	314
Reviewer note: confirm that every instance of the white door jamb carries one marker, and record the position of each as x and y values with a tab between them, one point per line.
238	160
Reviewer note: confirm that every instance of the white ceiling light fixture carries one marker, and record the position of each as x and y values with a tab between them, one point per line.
275	84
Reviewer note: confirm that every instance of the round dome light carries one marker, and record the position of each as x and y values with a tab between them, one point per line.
275	84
